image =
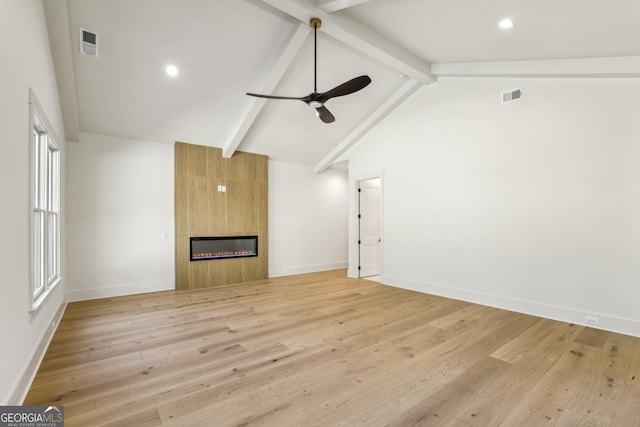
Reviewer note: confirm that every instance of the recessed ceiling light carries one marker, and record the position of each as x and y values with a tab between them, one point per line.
505	24
172	70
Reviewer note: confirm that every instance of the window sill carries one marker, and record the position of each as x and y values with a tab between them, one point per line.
37	303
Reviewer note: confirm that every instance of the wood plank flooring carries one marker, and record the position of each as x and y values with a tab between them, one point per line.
323	350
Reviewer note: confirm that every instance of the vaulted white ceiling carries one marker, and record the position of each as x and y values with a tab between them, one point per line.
224	48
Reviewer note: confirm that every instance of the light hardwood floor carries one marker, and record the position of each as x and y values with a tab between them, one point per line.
323	350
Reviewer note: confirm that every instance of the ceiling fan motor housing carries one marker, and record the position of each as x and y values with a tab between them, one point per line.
317	99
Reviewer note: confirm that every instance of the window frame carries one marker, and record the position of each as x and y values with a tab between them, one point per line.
44	206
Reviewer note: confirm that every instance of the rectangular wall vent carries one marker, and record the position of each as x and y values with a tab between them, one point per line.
512	95
88	42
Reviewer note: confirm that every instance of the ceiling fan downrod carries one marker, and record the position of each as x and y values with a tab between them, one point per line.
315	23
314	99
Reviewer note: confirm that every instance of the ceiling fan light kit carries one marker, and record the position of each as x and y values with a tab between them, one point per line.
315	99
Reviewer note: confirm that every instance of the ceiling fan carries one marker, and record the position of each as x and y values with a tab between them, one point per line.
315	99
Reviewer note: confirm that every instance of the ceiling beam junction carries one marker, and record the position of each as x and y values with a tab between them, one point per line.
360	37
390	104
331	6
254	105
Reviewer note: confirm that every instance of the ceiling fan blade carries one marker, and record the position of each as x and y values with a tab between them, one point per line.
257	95
325	115
346	88
315	99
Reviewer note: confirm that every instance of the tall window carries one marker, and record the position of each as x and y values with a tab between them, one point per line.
45	207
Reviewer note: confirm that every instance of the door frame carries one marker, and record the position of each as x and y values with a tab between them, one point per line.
354	249
374	209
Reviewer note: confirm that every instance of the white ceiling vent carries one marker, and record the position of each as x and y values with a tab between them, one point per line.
512	95
88	42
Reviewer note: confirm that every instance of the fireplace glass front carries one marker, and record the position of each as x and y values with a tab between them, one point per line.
203	248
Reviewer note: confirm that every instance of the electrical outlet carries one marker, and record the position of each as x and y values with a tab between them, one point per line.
590	320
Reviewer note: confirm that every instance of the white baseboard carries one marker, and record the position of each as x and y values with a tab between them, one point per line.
606	322
24	384
288	271
116	291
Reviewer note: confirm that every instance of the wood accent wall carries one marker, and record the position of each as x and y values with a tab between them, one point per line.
201	210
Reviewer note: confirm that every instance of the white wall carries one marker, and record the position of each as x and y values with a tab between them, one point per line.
307	219
121	199
120	202
533	206
24	47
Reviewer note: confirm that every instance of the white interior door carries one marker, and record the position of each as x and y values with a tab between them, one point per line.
369	227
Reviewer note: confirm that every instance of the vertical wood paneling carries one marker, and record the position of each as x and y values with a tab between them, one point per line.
182	260
235	209
250	220
199	274
181	159
263	258
263	205
261	169
197	161
182	203
250	168
218	271
198	213
216	164
243	167
201	210
216	209
235	270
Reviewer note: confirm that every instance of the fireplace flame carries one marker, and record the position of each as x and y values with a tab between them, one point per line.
222	254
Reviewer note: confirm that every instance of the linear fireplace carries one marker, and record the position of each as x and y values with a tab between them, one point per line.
203	248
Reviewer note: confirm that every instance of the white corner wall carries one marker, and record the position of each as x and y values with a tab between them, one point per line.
307	219
532	206
27	63
120	228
